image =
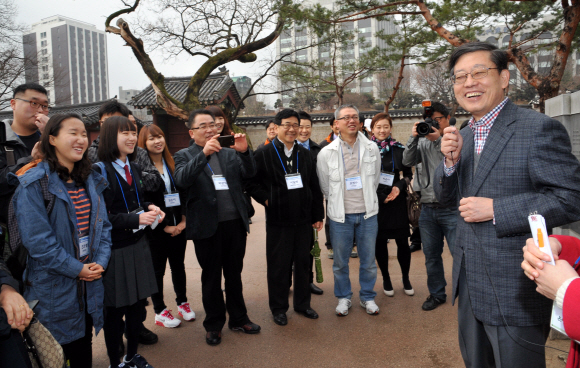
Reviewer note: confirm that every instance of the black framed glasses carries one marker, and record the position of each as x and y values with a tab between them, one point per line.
479	72
35	105
206	127
347	118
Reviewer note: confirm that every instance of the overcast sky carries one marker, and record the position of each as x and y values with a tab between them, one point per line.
124	70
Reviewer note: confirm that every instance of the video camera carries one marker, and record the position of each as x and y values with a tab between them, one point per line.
425	127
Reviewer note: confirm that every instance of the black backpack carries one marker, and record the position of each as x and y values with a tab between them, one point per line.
16	262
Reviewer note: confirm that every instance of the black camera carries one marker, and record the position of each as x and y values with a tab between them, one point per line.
425	127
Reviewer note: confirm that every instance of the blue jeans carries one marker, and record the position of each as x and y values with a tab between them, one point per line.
434	224
341	236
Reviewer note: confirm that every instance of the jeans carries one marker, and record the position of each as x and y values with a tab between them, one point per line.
342	234
434	224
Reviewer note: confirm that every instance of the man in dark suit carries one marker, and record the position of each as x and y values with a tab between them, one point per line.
217	219
509	163
286	184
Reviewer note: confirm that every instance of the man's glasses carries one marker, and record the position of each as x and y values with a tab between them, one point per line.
479	72
288	126
35	105
348	118
438	119
206	127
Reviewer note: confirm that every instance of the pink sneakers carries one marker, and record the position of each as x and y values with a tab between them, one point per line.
166	319
186	312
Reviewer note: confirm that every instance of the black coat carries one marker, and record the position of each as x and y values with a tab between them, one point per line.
393	215
193	176
287	207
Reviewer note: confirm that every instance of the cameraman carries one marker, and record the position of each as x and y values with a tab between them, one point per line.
436	221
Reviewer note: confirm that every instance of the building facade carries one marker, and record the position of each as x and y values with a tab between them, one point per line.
126	95
69	58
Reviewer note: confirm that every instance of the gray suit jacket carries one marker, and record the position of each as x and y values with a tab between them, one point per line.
526	166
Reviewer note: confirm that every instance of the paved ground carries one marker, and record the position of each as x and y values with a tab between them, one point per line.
402	335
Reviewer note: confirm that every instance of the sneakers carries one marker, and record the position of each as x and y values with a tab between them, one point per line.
330	253
432	303
166	319
137	362
371	307
343	307
185	312
353	252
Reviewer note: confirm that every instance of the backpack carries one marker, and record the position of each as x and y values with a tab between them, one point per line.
16	262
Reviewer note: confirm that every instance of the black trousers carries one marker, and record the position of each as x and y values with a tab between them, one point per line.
13	352
223	252
114	326
286	245
403	256
79	353
415	236
164	247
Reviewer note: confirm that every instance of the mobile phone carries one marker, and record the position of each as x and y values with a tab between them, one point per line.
227	141
32	304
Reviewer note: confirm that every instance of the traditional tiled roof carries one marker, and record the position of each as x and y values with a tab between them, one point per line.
88	111
212	90
326	117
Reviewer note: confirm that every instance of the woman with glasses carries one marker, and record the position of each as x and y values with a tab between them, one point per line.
167	240
392	218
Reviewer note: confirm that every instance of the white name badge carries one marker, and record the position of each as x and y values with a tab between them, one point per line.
83	246
353	183
294	181
172	200
387	178
141	227
220	182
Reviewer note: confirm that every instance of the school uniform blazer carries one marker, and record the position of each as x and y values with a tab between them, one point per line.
525	166
194	177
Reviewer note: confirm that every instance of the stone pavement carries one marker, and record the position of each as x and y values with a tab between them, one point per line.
402	335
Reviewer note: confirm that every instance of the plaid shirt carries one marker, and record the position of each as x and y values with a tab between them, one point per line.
481	130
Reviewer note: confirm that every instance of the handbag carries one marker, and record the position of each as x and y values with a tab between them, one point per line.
43	349
413	205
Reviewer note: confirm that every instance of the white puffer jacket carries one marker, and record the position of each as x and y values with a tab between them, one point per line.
330	172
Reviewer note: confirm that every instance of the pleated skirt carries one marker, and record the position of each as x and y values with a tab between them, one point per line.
130	276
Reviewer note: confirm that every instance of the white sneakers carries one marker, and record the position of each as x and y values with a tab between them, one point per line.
166	319
343	307
371	307
185	312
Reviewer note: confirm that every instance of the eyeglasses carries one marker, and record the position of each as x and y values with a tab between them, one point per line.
348	118
288	126
438	119
35	105
206	127
479	72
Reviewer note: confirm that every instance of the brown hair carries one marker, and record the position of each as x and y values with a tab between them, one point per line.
218	112
155	131
108	150
381	116
81	169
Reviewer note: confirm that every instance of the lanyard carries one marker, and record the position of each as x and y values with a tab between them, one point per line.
392	160
123	193
171	177
284	166
576	264
210	169
357	162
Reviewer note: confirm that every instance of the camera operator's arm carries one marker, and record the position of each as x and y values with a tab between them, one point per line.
411	156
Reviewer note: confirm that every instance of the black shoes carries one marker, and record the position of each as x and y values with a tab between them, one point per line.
308	313
281	319
315	289
432	303
213	338
249	328
415	247
147	337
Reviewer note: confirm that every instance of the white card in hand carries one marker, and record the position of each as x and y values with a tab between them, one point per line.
156	222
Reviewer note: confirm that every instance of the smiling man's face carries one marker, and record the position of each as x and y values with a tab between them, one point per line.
480	96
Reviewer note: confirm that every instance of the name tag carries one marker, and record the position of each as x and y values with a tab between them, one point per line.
172	200
220	182
83	247
139	211
353	183
387	178
294	181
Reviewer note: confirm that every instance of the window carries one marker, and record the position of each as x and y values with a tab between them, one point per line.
544	52
44	52
45	60
364	30
45	68
285	50
301	58
45	76
325	54
544	64
366	89
43	35
43	43
286	40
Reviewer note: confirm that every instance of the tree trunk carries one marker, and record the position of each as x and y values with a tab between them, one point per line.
397	85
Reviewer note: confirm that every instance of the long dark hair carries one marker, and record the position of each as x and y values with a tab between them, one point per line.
155	131
217	111
108	150
81	169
